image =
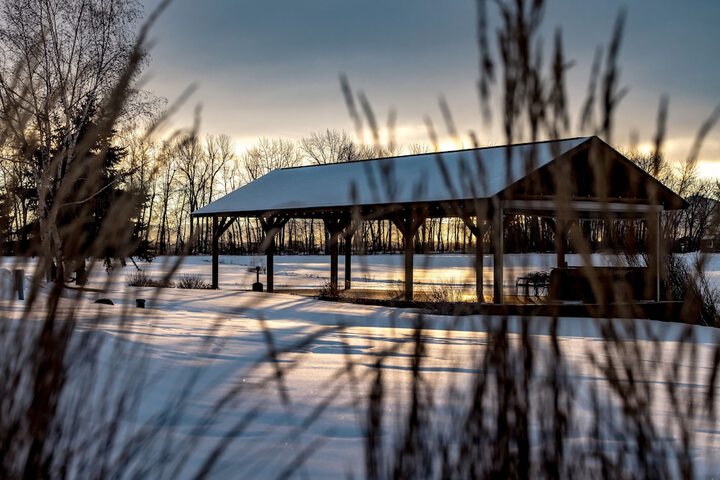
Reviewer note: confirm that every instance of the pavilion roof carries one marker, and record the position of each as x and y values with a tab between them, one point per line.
431	178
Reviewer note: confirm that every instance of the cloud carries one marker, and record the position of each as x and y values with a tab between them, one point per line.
271	69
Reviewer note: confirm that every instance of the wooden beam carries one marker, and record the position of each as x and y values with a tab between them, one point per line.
224	224
576	206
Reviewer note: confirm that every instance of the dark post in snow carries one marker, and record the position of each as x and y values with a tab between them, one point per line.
257	286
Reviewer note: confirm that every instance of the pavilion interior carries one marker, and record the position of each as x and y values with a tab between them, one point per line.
592	181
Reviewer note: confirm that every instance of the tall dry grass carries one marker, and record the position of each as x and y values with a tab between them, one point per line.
64	413
524	414
521	415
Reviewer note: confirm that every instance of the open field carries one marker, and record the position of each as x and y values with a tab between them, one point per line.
368	271
197	345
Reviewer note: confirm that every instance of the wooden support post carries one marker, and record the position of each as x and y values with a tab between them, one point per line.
479	290
215	253
335	227
408	223
478	231
270	265
658	255
334	263
654	254
271	226
409	265
661	260
219	226
498	252
192	239
19	283
348	260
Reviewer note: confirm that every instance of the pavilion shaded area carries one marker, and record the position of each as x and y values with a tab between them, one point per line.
561	181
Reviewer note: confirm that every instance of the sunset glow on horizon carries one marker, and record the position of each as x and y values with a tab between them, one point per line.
273	72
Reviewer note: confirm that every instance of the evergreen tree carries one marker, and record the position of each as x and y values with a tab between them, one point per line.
98	217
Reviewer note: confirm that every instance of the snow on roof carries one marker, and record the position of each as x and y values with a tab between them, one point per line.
431	177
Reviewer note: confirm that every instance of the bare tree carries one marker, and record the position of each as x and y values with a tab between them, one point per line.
218	153
194	171
420	148
166	185
62	62
330	146
267	155
365	152
698	217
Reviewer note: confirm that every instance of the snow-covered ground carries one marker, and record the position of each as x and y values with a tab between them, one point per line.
385	271
368	271
220	338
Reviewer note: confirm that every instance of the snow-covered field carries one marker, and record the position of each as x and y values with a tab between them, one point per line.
368	271
220	338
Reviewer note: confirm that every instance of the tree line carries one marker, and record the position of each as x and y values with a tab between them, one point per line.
173	177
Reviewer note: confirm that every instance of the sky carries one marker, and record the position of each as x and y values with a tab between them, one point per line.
271	68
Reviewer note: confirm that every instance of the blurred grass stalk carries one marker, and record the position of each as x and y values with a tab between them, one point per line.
523	414
62	413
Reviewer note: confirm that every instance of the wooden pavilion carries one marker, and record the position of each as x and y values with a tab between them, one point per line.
560	180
